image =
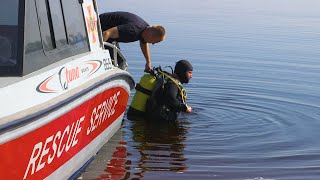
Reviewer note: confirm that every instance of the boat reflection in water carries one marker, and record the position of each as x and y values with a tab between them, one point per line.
110	162
152	146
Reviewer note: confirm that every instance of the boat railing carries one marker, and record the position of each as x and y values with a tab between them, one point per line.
115	52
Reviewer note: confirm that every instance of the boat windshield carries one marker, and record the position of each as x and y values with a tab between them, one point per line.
8	32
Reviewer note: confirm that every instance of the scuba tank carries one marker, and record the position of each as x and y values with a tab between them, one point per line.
143	92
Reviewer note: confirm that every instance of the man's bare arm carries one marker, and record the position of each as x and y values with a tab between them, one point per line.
110	33
146	52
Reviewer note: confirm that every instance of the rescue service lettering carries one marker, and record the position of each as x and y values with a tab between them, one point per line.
57	143
102	112
65	138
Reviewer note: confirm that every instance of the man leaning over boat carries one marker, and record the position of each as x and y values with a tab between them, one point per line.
127	27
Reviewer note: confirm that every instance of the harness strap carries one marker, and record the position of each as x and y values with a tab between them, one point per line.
181	89
143	90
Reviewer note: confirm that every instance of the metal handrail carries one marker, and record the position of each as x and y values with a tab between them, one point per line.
116	51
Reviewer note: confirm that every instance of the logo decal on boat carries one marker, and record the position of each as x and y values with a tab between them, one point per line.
95	66
42	87
92	24
68	76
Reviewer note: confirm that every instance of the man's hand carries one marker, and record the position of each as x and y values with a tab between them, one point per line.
148	67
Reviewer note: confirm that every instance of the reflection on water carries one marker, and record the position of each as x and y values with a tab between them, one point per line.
116	167
110	162
155	146
160	145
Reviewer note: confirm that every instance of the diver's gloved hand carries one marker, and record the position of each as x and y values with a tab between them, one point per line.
189	109
185	108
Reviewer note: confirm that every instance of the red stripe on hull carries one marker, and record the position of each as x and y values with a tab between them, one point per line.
39	153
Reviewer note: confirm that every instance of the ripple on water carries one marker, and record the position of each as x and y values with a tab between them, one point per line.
254	129
255	94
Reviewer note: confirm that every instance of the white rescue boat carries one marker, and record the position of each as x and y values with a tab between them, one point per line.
61	95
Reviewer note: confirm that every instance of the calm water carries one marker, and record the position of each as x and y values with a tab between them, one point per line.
255	93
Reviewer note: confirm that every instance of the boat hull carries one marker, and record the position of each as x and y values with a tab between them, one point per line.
62	96
58	143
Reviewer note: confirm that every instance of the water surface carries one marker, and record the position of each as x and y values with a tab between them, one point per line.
255	93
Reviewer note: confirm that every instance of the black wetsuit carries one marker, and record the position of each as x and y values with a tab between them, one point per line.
172	97
130	26
166	103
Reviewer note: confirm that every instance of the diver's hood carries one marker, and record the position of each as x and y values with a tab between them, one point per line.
181	69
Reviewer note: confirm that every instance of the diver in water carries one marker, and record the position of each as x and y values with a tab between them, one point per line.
168	99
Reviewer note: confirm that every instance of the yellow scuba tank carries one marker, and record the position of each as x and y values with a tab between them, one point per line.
143	92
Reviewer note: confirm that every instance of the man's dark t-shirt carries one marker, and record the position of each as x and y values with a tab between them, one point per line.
130	26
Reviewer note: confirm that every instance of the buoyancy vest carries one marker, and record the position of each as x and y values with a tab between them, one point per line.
156	109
